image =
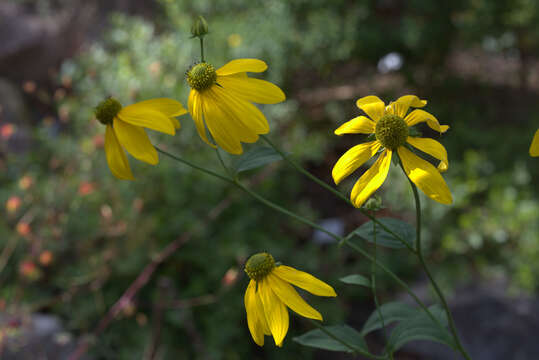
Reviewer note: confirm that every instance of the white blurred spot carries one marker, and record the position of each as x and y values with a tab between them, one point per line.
390	62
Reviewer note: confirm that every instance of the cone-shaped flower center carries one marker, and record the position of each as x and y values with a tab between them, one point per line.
107	110
259	266
201	76
391	131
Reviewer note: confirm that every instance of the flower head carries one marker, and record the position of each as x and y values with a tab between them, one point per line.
269	293
391	128
125	130
534	147
221	100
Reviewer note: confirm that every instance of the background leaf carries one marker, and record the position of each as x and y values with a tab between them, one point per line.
399	227
391	312
255	158
356	279
318	339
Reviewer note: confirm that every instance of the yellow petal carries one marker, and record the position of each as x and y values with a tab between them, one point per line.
291	298
175	122
244	113
147	117
372	106
534	147
168	107
371	180
253	316
353	159
358	125
303	280
402	104
425	176
417	116
196	109
135	140
275	311
255	90
118	164
433	148
242	65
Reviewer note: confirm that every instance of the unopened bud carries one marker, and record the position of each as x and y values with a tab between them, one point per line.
200	27
374	203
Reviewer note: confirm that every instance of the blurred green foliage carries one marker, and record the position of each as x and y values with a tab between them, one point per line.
80	237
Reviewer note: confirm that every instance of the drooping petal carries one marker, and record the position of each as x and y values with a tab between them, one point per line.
147	117
135	140
417	116
242	65
371	180
425	176
290	297
196	109
303	280
358	125
372	106
534	147
402	104
255	90
118	163
175	122
168	107
253	315
224	127
431	147
351	160
275	311
244	113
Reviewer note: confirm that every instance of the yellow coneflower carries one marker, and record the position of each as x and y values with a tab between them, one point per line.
390	125
534	147
125	130
269	293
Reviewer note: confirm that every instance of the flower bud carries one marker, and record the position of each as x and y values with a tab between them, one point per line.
374	203
199	27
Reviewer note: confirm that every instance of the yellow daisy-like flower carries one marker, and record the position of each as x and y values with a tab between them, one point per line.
125	130
534	147
221	102
269	293
390	125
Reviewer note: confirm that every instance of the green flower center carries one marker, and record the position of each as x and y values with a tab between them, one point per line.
259	266
201	76
107	110
391	131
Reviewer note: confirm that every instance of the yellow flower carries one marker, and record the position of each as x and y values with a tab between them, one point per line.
390	126
534	147
221	102
125	130
269	293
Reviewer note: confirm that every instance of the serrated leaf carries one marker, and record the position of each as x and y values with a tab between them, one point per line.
356	279
421	327
318	339
255	158
384	238
391	312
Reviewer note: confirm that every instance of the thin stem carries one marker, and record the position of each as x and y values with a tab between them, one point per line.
202	48
222	161
342	240
354	349
335	192
451	321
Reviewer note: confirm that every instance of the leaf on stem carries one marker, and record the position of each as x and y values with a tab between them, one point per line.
356	279
255	158
385	238
319	339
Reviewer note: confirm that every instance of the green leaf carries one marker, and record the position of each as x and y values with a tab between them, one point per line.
384	238
356	279
391	312
255	158
421	327
318	339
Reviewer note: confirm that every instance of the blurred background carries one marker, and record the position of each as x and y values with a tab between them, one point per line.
73	239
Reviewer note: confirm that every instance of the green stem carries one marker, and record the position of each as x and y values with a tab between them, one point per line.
419	250
343	240
354	349
335	192
202	48
227	170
